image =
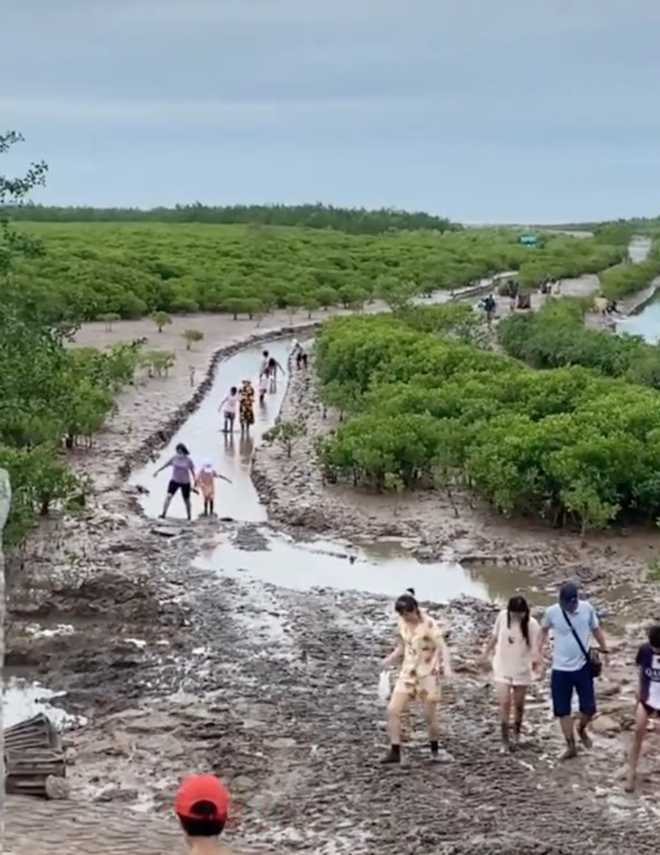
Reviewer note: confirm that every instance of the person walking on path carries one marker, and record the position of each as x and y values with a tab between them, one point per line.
183	478
516	661
202	808
421	645
575	664
228	407
648	698
246	407
206	483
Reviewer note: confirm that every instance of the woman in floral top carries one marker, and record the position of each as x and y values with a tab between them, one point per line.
425	655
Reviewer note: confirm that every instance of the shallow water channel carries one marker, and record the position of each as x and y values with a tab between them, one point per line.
386	567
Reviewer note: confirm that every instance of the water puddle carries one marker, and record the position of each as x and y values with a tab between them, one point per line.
22	699
645	323
229	453
384	568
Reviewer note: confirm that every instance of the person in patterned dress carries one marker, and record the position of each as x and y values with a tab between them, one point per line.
422	647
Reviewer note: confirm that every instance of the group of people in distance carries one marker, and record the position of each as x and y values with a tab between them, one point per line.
239	403
516	651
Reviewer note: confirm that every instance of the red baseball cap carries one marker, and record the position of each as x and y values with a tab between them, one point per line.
202	788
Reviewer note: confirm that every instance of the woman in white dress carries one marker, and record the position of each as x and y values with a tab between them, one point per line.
514	640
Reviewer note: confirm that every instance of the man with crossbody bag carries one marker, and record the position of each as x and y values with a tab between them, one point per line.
575	664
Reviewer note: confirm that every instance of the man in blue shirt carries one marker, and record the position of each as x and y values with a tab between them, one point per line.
571	668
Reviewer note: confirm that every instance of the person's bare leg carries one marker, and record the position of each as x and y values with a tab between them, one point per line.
504	704
639	734
188	505
583	736
519	694
397	706
568	730
166	505
433	726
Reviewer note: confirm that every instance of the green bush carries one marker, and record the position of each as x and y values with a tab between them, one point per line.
555	336
565	445
93	269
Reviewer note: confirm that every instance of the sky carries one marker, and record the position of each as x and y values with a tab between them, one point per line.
482	111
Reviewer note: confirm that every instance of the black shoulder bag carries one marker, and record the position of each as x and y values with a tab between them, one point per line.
592	656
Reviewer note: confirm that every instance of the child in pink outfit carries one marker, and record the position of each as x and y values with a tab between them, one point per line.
206	483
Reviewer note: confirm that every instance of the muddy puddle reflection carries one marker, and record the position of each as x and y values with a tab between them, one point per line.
388	568
231	455
385	568
22	699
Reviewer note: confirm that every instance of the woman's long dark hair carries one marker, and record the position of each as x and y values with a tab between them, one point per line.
407	603
182	449
518	605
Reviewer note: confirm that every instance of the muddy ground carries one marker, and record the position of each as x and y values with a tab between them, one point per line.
180	670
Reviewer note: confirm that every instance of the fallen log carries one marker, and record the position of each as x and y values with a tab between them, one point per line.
34	758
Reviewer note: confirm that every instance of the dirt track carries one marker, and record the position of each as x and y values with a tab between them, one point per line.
183	670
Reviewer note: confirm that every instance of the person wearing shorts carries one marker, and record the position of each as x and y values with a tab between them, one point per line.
228	407
571	669
182	479
514	640
648	698
422	646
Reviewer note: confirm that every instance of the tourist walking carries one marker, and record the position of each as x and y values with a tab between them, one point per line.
273	367
421	646
264	366
246	398
228	407
206	478
182	478
263	387
575	664
202	807
299	353
648	698
515	642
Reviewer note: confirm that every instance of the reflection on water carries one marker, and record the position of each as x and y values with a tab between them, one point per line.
230	453
22	699
385	568
388	568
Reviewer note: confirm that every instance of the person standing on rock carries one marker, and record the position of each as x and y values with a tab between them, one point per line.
183	478
648	698
515	640
421	645
202	808
206	483
246	407
574	663
228	407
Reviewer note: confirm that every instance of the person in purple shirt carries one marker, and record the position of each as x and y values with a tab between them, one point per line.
648	698
182	478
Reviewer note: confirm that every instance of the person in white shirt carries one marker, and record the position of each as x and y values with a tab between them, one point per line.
514	640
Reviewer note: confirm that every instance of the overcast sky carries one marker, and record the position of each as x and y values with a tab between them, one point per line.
483	111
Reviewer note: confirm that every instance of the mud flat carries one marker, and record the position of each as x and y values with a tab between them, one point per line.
224	645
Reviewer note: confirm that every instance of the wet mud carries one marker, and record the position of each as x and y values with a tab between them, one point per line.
220	645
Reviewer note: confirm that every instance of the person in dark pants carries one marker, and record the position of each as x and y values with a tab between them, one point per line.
183	478
648	698
573	622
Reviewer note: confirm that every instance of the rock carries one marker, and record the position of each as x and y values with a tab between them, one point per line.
57	788
605	724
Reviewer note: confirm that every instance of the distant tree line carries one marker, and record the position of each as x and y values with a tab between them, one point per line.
358	221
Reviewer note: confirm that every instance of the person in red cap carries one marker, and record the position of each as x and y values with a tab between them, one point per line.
202	806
